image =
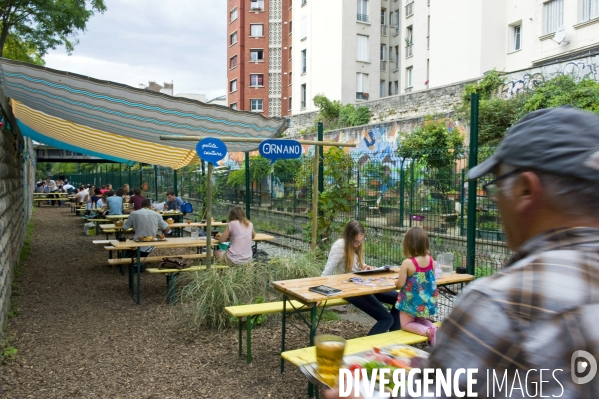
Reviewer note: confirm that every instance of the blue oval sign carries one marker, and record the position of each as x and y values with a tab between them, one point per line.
211	150
280	149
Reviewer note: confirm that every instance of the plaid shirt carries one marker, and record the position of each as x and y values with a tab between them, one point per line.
542	307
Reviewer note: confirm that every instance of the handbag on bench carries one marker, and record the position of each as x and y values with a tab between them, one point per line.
174	263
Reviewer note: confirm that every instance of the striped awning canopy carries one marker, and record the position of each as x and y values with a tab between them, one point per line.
118	122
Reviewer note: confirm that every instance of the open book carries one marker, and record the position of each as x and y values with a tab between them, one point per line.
385	268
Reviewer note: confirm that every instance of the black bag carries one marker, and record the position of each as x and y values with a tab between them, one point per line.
260	255
174	263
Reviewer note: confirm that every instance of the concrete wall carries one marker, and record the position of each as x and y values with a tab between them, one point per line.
17	169
441	100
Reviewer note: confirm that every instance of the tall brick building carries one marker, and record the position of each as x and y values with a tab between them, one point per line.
259	56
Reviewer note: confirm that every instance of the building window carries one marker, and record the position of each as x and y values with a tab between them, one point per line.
290	78
515	37
553	13
383	55
233	38
290	103
233	106
396	24
304	94
304	2
233	85
256	79
304	28
428	32
396	58
396	84
233	14
390	88
256	30
590	9
409	41
256	5
362	48
384	22
290	27
409	8
408	77
233	62
361	86
256	105
363	10
256	54
382	89
290	53
304	61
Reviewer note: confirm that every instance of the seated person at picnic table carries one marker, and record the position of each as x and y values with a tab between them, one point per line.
145	222
93	200
173	203
114	201
240	232
82	196
128	191
347	256
136	199
418	294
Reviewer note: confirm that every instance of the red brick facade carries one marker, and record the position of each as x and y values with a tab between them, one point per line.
247	88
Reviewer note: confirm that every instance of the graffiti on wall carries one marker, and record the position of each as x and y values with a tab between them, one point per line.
578	69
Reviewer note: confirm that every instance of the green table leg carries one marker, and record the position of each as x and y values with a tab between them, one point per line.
248	328
138	290
283	333
312	335
240	340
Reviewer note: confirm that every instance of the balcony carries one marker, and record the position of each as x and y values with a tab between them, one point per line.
409	51
383	65
383	30
363	17
361	96
409	9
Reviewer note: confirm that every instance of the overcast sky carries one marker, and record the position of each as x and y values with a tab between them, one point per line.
135	41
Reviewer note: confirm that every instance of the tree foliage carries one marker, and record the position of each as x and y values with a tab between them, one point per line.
433	142
40	25
335	115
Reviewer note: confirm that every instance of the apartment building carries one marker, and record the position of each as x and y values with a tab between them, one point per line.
259	69
362	50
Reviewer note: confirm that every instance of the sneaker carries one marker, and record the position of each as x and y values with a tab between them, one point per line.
431	337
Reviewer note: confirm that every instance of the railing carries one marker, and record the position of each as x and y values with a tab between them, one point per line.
408	51
361	96
384	30
363	17
383	65
409	9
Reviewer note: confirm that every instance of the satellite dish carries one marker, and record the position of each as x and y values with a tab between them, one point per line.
560	34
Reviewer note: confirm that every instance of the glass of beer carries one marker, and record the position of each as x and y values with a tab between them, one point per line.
329	357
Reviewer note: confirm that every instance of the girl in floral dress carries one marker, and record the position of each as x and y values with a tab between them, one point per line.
418	294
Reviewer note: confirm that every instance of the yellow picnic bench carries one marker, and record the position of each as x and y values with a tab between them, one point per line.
171	277
249	314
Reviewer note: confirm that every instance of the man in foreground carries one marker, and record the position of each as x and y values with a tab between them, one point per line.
535	322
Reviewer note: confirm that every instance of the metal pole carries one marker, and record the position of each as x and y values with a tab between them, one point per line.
472	161
402	175
129	179
254	140
175	183
155	183
411	190
321	159
209	217
462	201
121	177
315	199
247	184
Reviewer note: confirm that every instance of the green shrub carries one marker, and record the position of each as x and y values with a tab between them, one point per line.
205	294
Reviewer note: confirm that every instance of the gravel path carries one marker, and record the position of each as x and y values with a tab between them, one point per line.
80	335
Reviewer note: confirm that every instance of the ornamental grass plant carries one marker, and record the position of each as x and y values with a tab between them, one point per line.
204	295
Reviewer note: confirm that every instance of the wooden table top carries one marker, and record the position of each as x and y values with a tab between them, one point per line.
176	242
111	226
298	288
126	216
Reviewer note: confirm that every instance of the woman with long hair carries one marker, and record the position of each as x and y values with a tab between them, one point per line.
240	232
347	256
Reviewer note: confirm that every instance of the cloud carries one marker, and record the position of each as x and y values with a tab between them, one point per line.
134	41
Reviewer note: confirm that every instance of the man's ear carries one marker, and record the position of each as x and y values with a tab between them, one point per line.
527	191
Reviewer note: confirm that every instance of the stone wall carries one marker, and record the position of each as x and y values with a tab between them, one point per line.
409	106
17	166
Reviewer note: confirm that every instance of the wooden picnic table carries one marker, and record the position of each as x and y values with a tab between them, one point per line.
106	228
170	242
298	289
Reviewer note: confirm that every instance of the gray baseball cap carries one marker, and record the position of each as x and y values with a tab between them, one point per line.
562	140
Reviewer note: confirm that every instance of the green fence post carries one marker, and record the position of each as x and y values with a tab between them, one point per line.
472	161
156	183
247	184
129	179
401	194
462	202
411	191
175	183
320	159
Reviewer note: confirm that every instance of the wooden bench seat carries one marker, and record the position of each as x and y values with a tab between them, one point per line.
249	313
171	278
128	261
357	345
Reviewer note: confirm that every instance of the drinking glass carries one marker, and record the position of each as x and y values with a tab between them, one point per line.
195	234
329	357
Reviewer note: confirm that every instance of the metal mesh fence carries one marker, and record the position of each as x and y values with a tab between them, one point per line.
386	193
